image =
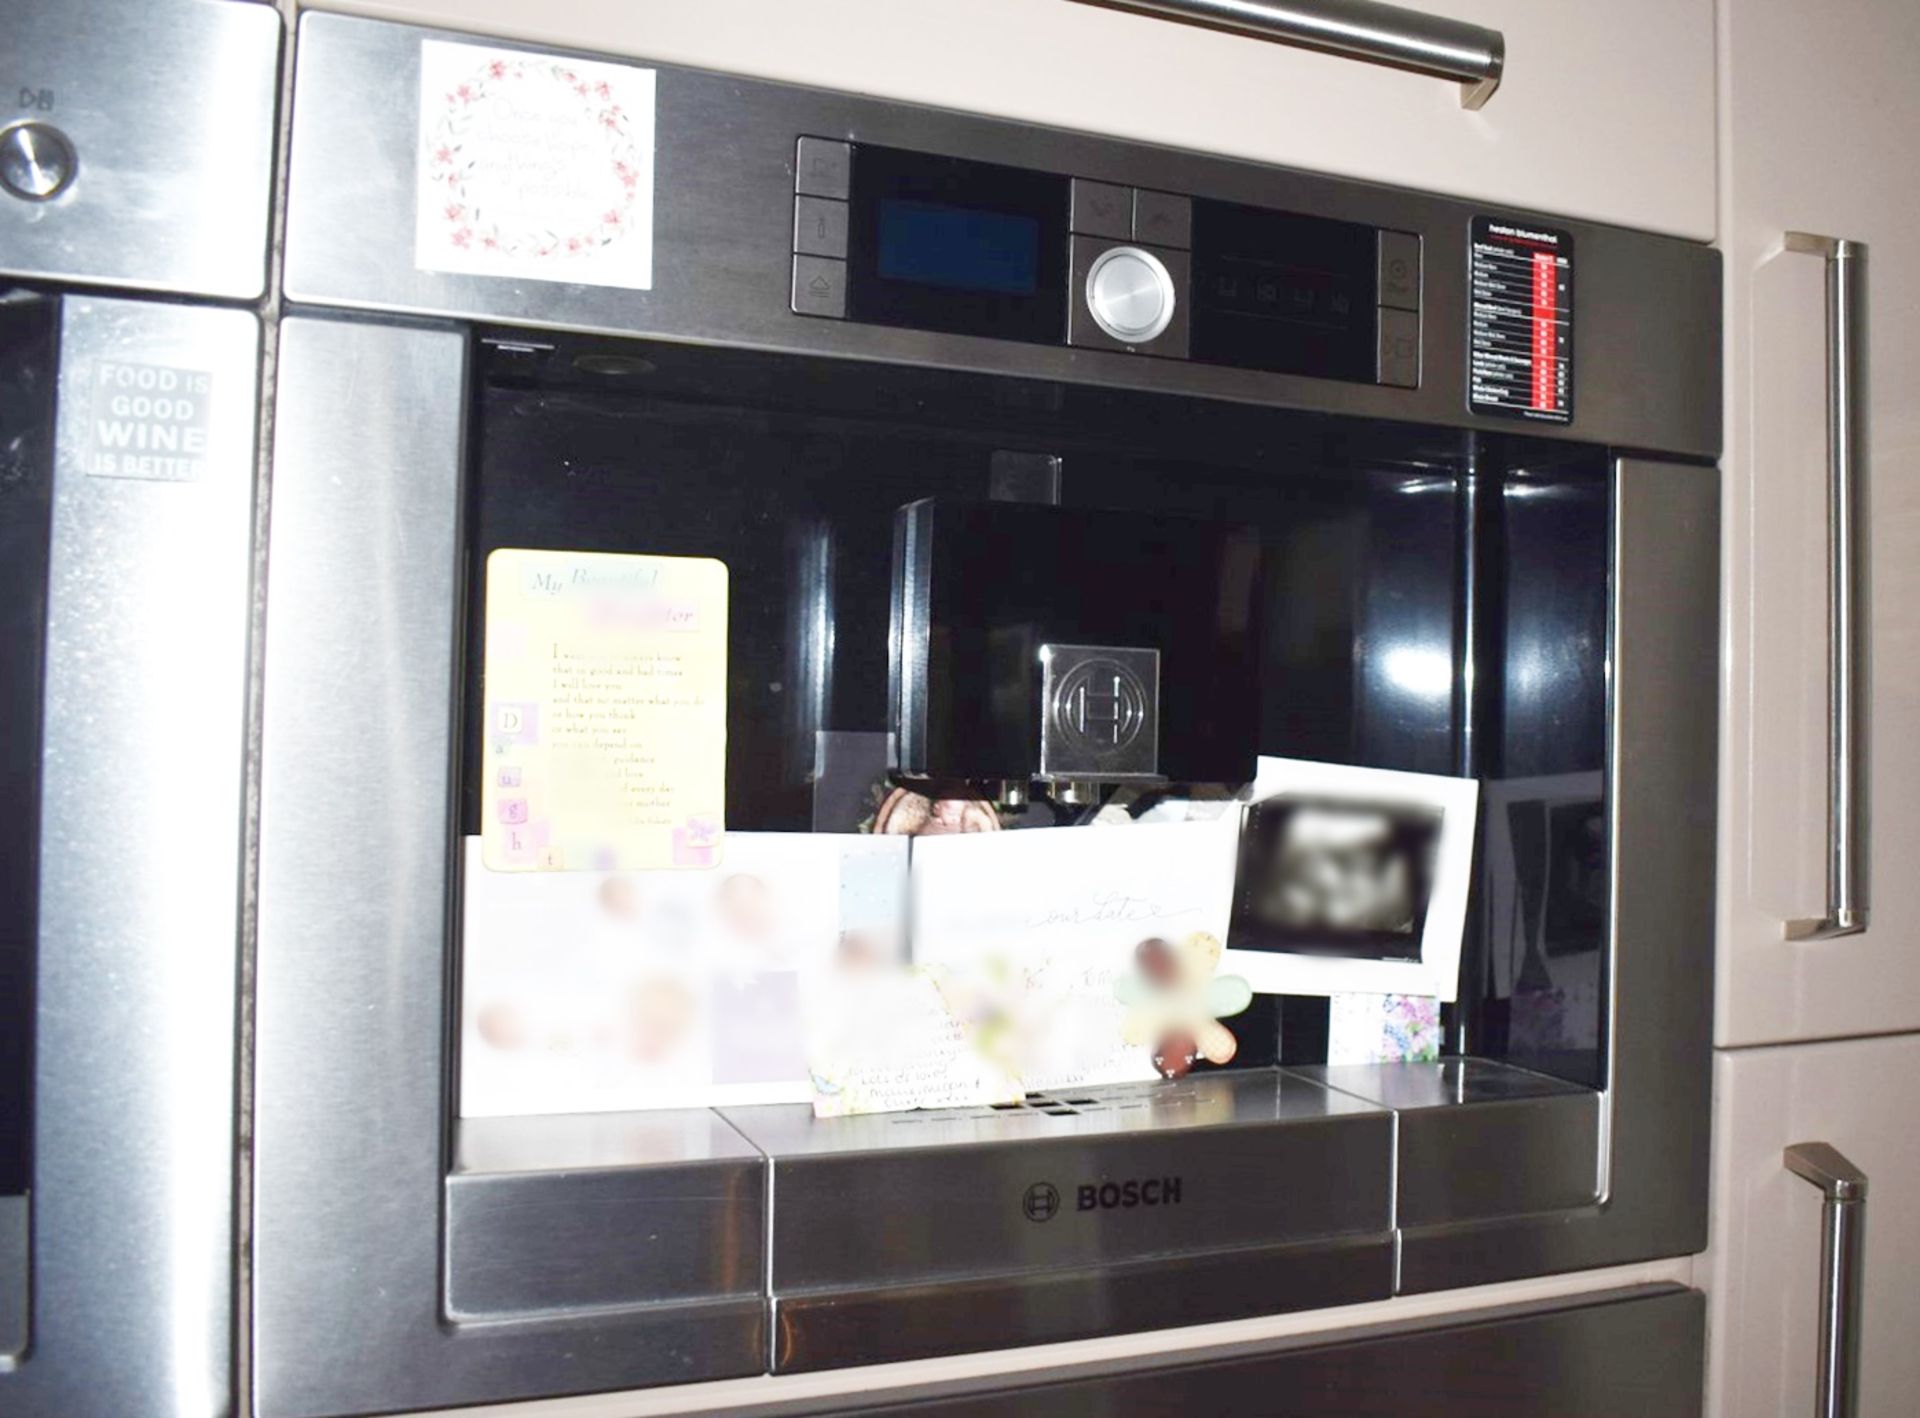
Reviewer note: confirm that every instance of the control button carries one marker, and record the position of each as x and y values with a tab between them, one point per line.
1119	297
1130	294
1400	270
1101	209
823	168
1163	219
819	226
1399	348
36	161
819	287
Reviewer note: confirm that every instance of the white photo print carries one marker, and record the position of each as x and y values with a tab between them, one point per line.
1352	879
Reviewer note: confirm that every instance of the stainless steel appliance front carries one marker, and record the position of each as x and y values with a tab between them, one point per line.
373	1212
143	142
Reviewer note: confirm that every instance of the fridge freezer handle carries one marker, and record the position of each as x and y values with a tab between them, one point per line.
1360	29
1849	681
1843	1219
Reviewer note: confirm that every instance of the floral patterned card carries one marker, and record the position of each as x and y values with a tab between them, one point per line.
534	167
605	743
1365	1028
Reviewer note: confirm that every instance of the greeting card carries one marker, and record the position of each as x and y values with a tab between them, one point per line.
604	746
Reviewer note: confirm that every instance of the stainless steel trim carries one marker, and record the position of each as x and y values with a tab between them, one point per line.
723	268
1843	1219
554	1214
1434	45
132	1226
1476	1139
14	1258
352	1159
909	633
1663	756
169	108
1849	593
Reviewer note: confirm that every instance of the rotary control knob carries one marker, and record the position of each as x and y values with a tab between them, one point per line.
37	162
1130	294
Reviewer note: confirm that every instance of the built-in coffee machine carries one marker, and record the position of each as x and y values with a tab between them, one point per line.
992	480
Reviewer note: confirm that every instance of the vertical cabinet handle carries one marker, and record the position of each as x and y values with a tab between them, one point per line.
1843	1218
1359	29
1849	682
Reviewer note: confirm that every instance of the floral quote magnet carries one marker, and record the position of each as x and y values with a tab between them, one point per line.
534	167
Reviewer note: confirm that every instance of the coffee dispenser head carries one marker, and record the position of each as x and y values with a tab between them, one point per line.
1072	648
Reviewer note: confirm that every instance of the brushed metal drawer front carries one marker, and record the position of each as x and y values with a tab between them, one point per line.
824	1329
1244	1159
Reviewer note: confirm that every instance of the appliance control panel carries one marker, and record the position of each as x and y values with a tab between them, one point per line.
891	237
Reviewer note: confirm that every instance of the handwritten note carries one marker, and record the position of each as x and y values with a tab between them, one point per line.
1035	930
895	1041
606	711
534	166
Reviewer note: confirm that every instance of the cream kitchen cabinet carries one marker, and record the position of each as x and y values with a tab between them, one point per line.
1763	1270
1818	107
1605	111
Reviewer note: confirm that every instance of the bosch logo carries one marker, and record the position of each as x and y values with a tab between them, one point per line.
1042	1202
1124	1196
1100	704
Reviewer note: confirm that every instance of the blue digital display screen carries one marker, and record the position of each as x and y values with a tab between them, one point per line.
961	248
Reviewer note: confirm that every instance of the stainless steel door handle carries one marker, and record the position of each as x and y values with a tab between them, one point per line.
1844	1187
1359	29
1849	682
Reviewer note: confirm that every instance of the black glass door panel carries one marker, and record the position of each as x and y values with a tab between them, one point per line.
28	369
1433	601
1538	937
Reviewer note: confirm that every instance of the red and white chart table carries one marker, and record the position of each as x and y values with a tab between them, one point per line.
1520	349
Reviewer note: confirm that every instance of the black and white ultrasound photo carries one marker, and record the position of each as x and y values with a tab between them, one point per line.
1340	877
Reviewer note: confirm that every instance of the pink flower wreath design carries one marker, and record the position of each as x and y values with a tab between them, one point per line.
449	164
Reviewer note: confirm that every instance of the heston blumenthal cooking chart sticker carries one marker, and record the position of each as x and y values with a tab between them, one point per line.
534	166
605	744
1520	347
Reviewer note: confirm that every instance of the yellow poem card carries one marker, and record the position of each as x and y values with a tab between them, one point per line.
606	711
